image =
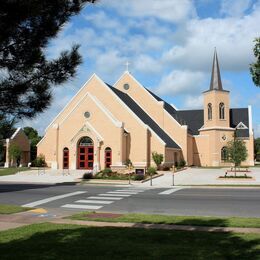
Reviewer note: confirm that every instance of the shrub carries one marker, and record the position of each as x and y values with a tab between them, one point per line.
182	163
39	161
157	158
139	177
166	168
128	163
151	171
87	175
106	172
15	153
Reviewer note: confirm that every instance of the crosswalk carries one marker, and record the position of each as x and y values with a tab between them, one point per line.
103	199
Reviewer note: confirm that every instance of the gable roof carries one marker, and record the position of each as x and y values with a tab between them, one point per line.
144	117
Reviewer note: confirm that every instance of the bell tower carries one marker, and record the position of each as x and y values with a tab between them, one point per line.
216	100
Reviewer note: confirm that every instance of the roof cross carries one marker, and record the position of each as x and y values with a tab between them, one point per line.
127	65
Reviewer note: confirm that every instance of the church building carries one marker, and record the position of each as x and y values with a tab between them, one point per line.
104	126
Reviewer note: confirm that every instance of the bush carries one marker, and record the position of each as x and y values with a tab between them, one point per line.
151	171
182	163
139	177
39	161
87	175
157	158
107	171
166	168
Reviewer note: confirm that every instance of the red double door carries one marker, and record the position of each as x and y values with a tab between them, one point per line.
85	157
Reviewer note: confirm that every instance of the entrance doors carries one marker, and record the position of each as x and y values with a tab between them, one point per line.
85	153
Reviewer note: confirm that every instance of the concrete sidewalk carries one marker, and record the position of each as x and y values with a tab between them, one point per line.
203	177
27	218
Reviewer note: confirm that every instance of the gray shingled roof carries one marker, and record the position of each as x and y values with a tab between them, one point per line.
145	118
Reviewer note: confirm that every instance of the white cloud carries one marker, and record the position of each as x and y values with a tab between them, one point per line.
234	8
181	82
148	65
193	102
233	37
169	10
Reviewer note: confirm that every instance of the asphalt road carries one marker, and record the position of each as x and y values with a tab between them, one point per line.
243	202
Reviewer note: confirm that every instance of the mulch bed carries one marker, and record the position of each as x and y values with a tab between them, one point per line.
103	215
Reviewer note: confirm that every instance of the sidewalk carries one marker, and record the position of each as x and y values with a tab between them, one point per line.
27	218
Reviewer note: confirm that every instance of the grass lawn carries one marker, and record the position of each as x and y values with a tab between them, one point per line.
10	171
10	209
54	241
175	220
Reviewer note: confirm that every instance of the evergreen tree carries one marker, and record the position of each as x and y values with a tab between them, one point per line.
26	75
255	67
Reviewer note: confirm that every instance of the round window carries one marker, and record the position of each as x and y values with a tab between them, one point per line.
87	114
126	86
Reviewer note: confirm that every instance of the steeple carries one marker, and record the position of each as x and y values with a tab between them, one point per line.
215	83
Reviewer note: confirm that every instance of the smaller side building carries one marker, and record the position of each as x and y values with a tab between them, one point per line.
20	139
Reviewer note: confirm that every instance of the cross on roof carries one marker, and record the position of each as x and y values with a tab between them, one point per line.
127	65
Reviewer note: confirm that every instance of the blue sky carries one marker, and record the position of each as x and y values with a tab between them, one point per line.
169	44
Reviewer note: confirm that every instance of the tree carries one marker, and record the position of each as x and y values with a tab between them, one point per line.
257	148
15	153
157	158
237	152
34	138
255	67
26	75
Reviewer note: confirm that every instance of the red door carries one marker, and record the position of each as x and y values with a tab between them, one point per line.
85	157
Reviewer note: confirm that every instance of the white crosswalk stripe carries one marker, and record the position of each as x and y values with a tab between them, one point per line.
104	198
77	206
115	195
95	201
122	192
169	191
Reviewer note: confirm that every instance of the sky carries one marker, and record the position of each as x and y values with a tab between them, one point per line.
169	45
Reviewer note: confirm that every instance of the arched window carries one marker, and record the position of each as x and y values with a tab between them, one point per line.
108	157
221	111
86	141
209	111
224	154
65	158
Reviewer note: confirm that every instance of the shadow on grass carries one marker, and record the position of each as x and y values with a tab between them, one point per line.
11	187
53	241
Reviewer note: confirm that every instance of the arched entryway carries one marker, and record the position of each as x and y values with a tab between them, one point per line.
65	158
85	153
108	157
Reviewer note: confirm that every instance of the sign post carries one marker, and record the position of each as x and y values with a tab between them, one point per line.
173	171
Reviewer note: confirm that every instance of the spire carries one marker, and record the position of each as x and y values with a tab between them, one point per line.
215	83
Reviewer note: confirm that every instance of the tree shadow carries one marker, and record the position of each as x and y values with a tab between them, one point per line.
11	187
53	241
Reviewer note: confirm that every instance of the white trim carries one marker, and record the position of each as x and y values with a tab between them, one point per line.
250	120
217	128
131	112
241	125
16	132
92	76
41	140
95	131
99	105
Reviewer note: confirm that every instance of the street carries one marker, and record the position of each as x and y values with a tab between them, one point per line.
243	202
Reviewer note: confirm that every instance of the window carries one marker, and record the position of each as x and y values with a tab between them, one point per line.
221	111
85	141
224	154
108	157
209	111
65	158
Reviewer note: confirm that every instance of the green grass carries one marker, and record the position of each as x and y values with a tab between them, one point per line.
66	242
175	220
10	209
10	171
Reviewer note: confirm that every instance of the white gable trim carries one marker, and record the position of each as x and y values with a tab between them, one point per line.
93	76
16	132
131	112
241	125
99	105
250	120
